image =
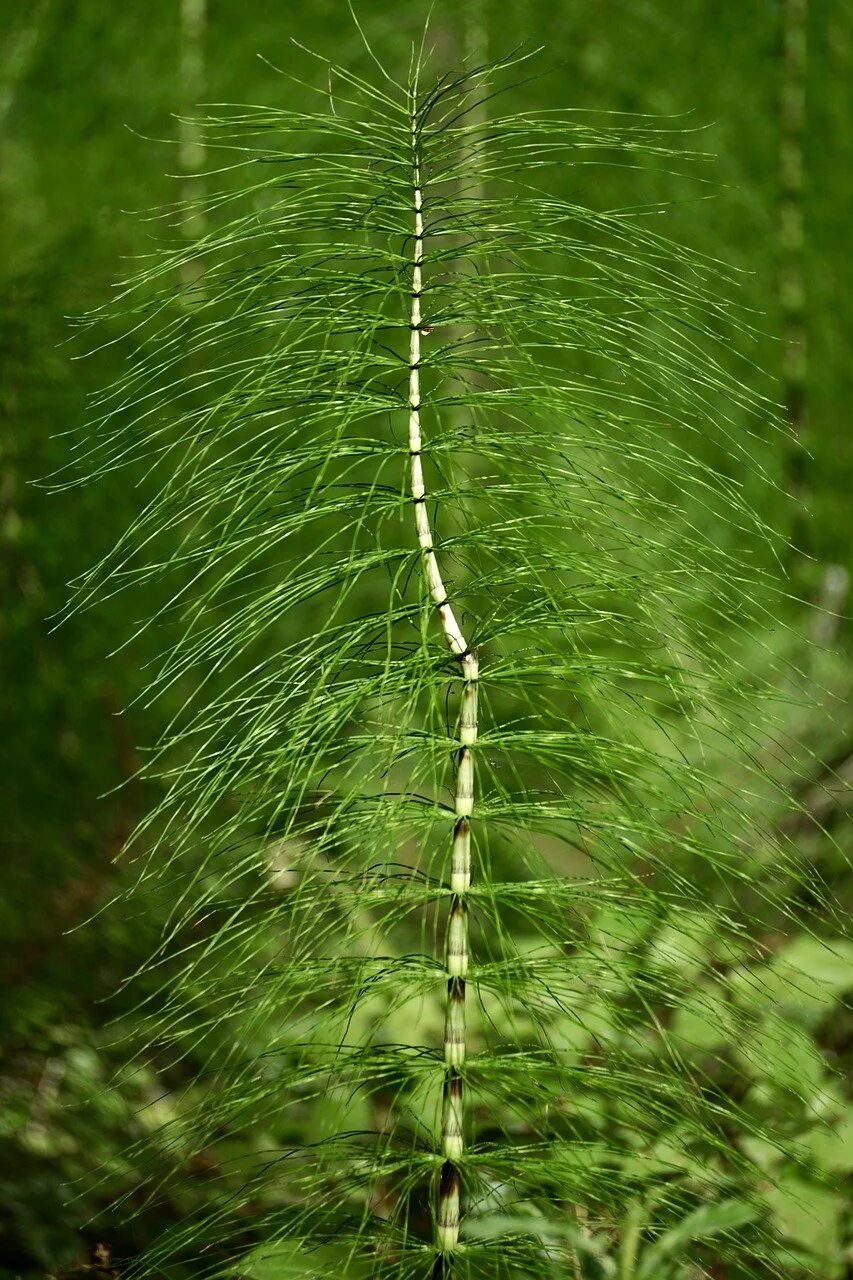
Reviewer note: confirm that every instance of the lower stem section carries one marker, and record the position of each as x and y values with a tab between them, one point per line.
449	1207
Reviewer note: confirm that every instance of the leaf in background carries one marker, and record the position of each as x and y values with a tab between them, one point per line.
830	1144
809	975
707	1221
704	1020
810	1217
285	1260
783	1054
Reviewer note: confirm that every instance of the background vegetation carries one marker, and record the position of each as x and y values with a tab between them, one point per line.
89	94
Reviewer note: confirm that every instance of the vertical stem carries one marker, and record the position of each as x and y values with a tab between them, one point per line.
448	1209
476	54
191	154
18	55
792	279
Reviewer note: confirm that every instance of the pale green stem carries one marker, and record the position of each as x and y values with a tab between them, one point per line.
18	54
448	1213
792	277
476	52
191	150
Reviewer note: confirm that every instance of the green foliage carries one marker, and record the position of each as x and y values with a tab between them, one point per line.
633	1061
759	1013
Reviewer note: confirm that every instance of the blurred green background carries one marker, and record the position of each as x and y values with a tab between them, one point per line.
89	94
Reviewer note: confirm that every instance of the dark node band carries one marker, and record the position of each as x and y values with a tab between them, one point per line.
470	652
453	1083
449	1178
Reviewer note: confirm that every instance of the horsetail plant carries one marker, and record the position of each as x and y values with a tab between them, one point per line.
331	881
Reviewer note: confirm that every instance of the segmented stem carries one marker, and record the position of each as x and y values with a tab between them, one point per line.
792	274
792	284
448	1210
191	148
